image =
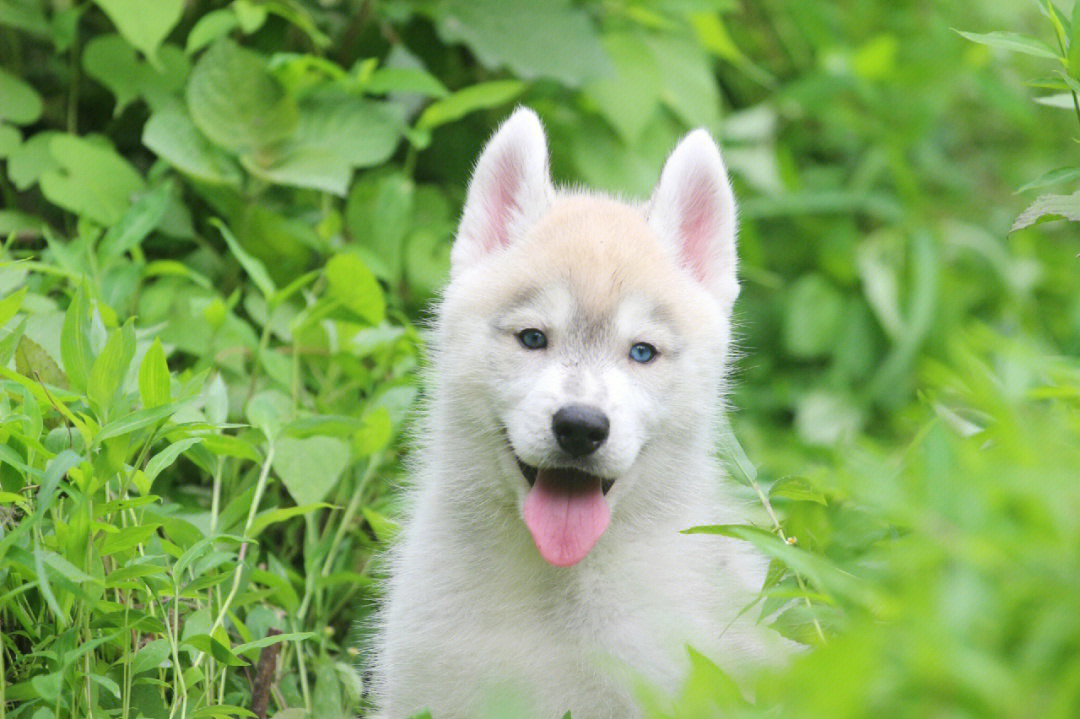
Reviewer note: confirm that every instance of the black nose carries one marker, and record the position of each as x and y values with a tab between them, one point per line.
579	429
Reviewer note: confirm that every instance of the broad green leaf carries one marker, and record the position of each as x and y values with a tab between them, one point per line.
236	102
21	103
129	538
30	160
628	97
209	28
154	387
28	16
89	179
310	468
796	488
410	80
75	350
689	87
150	656
221	711
374	434
136	223
32	361
268	411
11	304
1049	208
553	39
249	15
171	134
256	270
109	368
378	215
457	105
10	138
353	284
812	317
1012	42
335	134
114	63
143	24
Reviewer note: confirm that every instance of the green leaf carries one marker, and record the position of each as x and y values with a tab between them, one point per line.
143	24
553	39
89	179
10	138
375	433
32	361
1054	177
165	458
154	387
171	133
812	317
1049	208
221	711
1012	42
26	16
209	28
135	421
352	283
109	368
295	458
236	102
274	639
21	103
256	270
75	348
150	656
30	160
628	97
480	96
410	80
378	215
208	645
11	304
335	134
66	569
136	223
798	489
268	411
114	64
273	516
128	538
385	529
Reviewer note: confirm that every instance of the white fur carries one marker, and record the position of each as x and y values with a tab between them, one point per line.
473	610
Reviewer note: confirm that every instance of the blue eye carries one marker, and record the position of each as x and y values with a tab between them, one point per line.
643	352
532	339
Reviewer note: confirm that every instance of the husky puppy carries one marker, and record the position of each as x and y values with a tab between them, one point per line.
575	386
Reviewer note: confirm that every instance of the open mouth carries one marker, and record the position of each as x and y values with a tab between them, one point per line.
566	511
530	473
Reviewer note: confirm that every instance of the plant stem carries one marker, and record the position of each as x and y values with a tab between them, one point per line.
260	487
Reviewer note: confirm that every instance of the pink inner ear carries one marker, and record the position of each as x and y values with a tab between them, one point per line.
700	224
502	200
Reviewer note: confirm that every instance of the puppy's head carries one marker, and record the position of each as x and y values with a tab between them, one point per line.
585	337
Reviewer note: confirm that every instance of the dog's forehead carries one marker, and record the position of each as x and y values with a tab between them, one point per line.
604	252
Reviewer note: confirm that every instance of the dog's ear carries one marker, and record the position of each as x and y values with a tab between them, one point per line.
510	189
693	209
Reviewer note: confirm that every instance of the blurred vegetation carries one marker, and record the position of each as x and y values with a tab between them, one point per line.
222	223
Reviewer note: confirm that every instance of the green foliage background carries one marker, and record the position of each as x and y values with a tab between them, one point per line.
222	223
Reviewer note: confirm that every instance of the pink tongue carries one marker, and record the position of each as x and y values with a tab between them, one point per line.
566	513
